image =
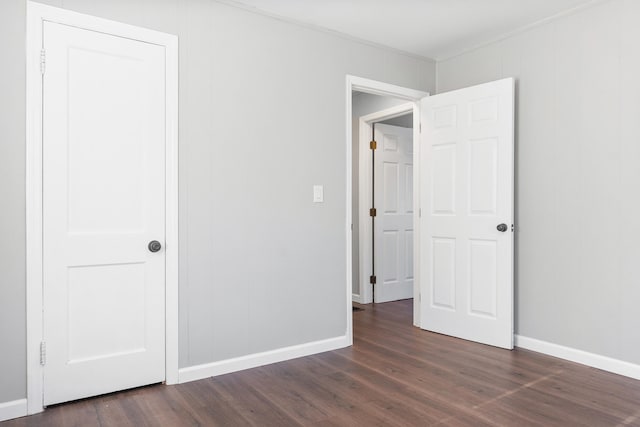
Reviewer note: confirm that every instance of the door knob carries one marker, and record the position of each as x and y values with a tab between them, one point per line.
502	227
154	246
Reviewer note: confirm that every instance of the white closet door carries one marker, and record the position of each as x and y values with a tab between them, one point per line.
104	201
467	213
394	210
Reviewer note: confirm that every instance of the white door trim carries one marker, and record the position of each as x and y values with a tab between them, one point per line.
385	89
364	190
36	14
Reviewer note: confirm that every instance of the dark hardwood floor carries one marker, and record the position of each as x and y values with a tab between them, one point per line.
394	375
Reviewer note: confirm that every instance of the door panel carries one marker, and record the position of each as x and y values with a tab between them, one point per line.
444	180
391	186
390	256
408	190
483	176
103	201
483	264
94	294
394	223
466	192
444	273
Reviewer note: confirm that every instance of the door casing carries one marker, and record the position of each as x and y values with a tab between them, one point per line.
36	14
360	84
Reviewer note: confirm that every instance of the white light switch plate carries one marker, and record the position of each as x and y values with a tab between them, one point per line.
318	194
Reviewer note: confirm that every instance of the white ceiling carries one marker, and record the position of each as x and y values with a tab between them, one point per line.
429	28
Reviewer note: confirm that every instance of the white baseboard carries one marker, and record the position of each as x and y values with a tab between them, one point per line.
207	370
605	363
14	409
357	298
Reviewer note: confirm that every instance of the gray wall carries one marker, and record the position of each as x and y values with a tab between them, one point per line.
262	119
12	210
361	105
578	169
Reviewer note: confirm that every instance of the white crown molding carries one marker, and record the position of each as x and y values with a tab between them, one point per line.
435	58
518	31
257	11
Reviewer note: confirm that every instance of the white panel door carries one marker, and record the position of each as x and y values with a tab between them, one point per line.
466	193
393	248
104	190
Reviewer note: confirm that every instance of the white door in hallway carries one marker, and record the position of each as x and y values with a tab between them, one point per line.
393	235
466	193
104	202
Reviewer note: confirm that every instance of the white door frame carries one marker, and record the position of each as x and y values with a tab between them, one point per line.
364	190
374	87
36	14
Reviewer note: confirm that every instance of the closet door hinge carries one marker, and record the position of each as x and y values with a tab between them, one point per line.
43	353
43	60
372	212
372	280
373	145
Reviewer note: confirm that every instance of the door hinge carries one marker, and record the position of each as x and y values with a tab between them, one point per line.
43	353
373	145
43	60
372	280
372	212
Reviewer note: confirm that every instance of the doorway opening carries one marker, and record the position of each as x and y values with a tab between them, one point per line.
393	111
383	199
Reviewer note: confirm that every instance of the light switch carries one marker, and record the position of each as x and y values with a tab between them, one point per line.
318	194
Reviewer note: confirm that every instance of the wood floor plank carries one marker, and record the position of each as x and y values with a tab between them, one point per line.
372	384
545	409
253	406
394	375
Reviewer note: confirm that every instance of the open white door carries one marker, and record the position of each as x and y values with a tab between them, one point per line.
466	222
394	217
